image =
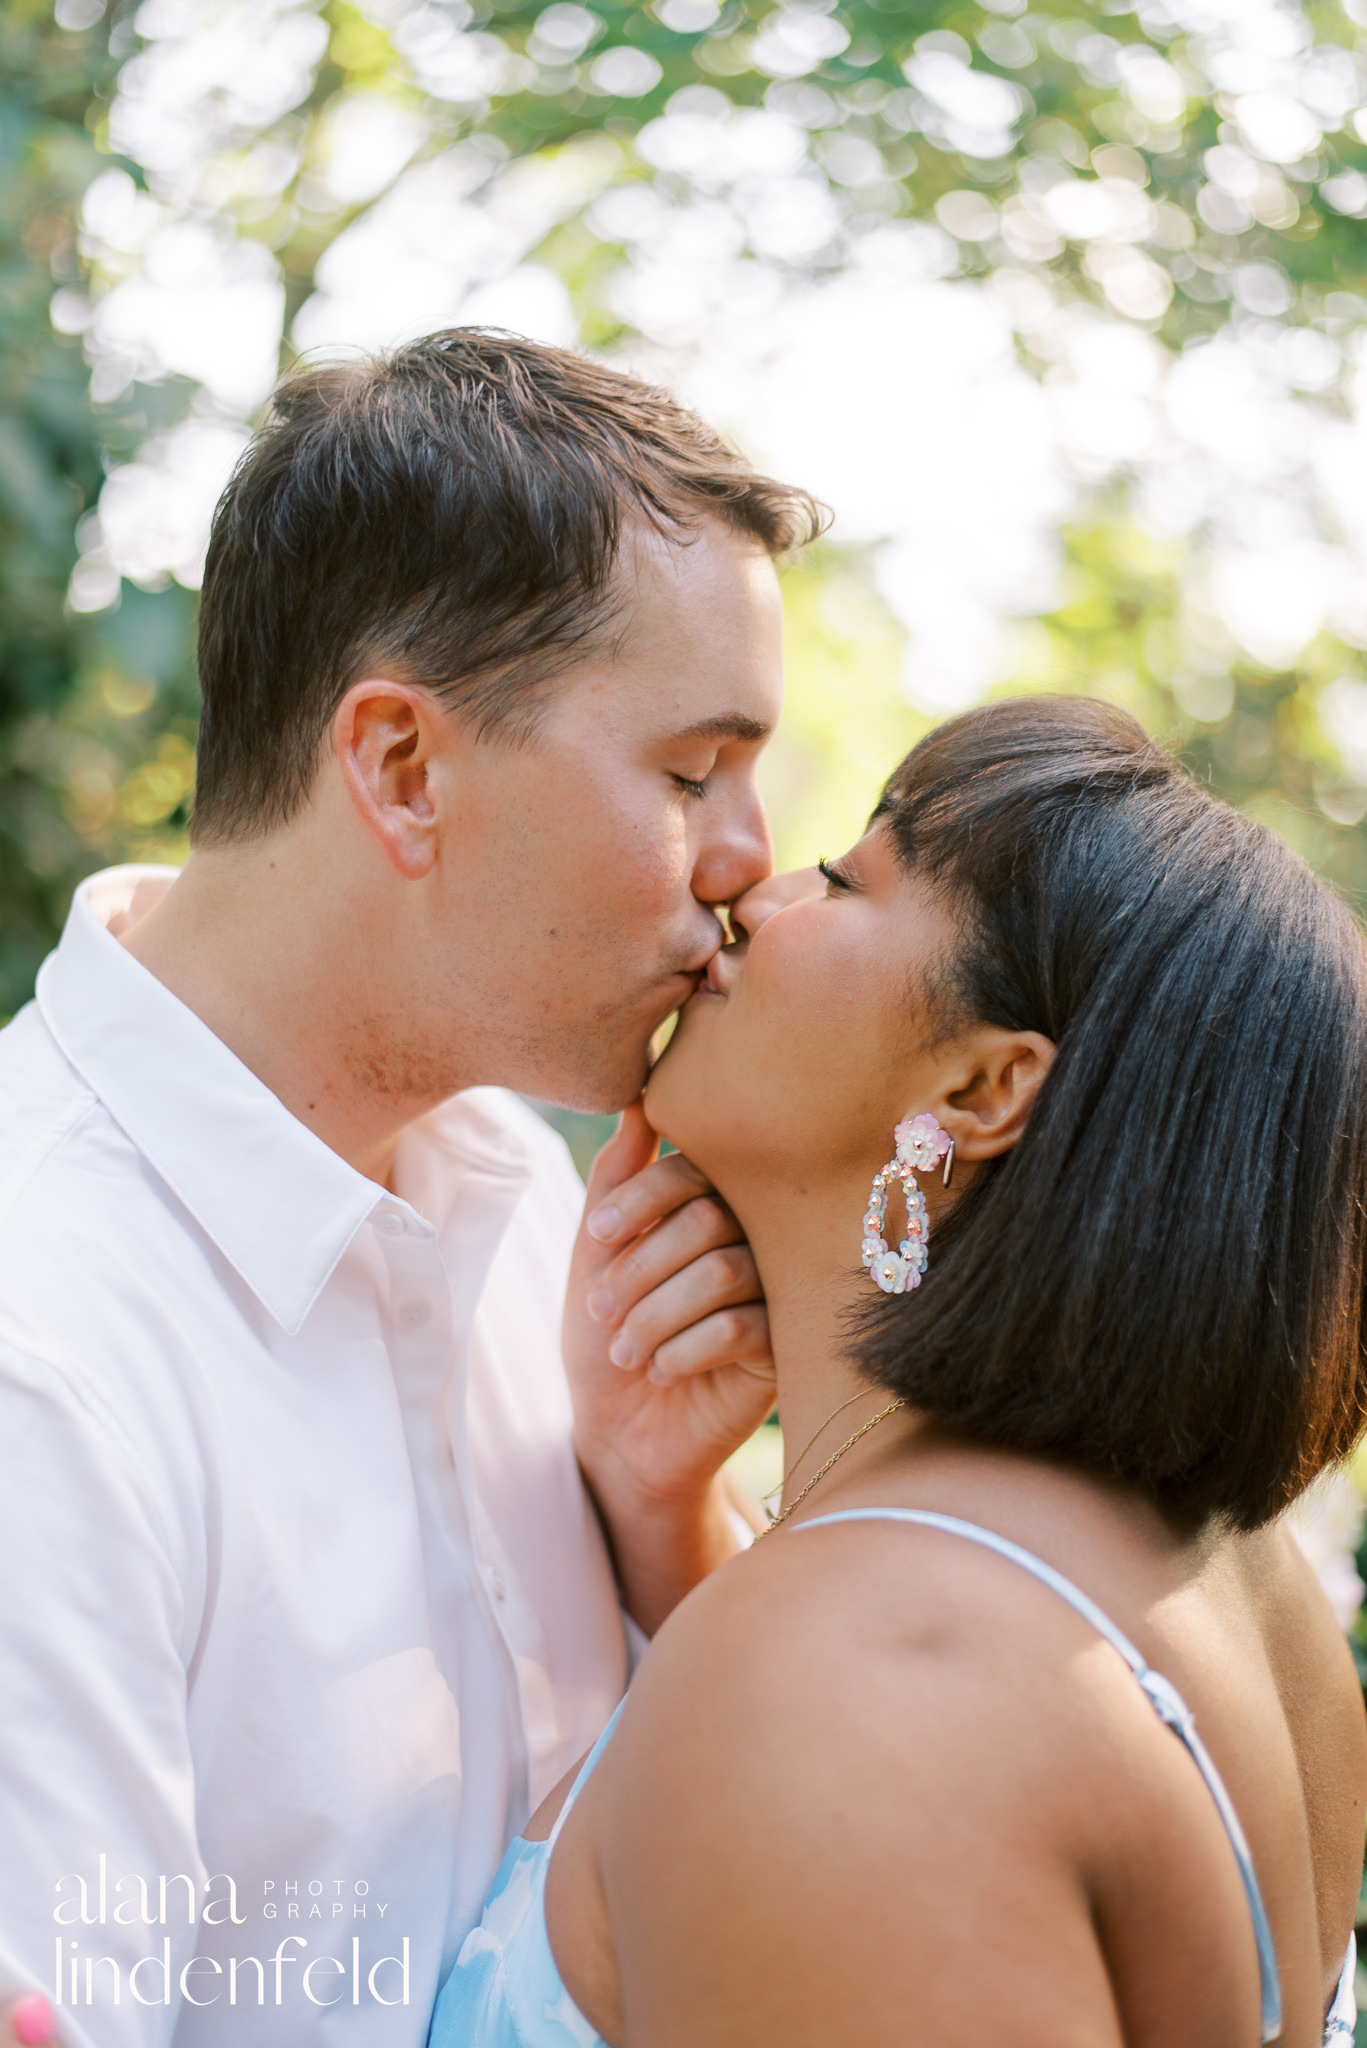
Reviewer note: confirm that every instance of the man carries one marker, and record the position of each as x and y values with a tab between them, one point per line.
314	1557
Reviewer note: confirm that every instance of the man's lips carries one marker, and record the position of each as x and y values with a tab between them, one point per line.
682	986
710	977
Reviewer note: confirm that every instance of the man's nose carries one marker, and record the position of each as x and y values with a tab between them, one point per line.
775	892
737	854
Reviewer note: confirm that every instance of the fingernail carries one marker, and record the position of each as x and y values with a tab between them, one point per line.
602	1307
605	1223
33	2018
658	1375
620	1351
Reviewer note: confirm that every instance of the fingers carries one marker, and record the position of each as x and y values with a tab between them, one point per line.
682	1292
29	2023
719	1280
734	1336
702	1225
637	1201
630	1149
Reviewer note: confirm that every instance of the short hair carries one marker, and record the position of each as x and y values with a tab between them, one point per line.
1163	1280
453	509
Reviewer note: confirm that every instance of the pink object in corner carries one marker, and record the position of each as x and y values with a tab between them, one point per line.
33	2024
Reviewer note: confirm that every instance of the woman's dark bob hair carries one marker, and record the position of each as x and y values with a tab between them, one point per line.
1163	1281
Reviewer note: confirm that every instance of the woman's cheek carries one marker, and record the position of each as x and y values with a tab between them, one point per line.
810	981
784	1025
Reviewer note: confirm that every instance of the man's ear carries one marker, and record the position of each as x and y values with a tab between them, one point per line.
387	739
1002	1073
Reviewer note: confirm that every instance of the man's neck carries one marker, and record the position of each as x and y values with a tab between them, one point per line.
259	955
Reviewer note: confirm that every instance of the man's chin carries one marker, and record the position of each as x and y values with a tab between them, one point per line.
603	1091
606	1080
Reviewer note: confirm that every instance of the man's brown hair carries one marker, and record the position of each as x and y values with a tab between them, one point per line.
452	511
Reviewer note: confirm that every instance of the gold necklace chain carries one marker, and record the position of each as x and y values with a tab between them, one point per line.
789	1470
834	1459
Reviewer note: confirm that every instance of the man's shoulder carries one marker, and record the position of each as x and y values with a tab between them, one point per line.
76	1196
43	1100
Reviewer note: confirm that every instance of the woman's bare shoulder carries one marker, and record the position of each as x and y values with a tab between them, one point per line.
824	1803
835	1782
827	1602
867	1778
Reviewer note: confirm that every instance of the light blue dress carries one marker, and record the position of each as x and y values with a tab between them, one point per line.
504	1990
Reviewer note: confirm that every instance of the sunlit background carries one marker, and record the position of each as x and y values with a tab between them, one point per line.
1061	307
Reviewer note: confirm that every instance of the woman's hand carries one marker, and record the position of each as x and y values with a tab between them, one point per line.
666	1342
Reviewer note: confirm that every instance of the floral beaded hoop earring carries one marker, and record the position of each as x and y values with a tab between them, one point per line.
921	1145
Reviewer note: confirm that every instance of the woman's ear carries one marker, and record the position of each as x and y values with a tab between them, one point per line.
386	742
1002	1073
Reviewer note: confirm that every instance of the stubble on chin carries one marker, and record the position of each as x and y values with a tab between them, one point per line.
596	1064
601	1069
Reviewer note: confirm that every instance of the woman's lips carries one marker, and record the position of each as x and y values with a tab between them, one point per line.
721	972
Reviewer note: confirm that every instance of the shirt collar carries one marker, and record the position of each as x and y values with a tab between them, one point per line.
280	1205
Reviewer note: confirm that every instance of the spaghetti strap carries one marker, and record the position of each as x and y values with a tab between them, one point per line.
1161	1694
584	1773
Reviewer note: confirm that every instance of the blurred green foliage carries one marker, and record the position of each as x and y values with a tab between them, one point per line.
96	712
1263	749
49	460
92	711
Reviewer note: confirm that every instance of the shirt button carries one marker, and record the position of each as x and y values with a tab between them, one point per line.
390	1223
496	1581
414	1314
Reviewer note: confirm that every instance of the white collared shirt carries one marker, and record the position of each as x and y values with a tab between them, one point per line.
299	1583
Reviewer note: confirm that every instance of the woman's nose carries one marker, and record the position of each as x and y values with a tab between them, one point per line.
775	892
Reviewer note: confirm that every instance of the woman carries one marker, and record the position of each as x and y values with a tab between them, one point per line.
907	1771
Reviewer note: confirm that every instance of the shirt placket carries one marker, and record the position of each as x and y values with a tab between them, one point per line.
428	1348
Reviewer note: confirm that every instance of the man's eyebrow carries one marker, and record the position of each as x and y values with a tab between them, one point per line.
728	725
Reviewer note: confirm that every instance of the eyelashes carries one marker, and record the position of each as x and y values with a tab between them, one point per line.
833	874
691	788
